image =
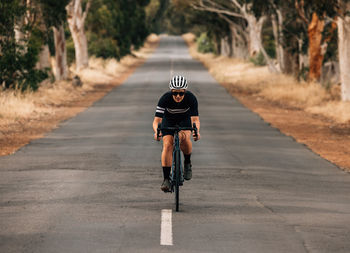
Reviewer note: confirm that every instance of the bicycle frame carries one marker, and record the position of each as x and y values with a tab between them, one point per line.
176	177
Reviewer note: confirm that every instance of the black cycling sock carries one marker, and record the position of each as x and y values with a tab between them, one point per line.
166	172
187	158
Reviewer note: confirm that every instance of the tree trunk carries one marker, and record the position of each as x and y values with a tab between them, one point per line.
291	63
44	55
301	56
217	44
281	37
76	21
315	30
254	29
277	33
288	59
60	68
44	58
344	56
20	34
238	42
226	49
255	41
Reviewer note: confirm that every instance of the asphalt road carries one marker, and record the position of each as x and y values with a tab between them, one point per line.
93	184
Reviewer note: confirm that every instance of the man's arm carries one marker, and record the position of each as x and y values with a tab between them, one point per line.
195	119
156	121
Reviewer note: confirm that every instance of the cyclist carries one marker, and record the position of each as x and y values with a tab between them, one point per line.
176	107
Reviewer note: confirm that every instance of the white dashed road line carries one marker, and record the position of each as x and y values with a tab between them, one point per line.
166	228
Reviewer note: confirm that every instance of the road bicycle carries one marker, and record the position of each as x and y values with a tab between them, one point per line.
176	175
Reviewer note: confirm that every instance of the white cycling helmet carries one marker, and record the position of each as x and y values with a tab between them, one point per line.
178	83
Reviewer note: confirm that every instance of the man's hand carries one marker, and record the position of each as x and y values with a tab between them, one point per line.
195	120
156	122
157	138
196	137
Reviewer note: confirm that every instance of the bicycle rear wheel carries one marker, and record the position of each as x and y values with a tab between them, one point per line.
177	179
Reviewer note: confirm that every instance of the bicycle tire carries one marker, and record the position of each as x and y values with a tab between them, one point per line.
177	179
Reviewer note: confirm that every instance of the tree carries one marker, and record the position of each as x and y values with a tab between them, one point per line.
131	26
100	29
155	15
299	28
54	14
344	47
276	11
313	13
212	30
18	57
61	67
115	27
242	10
76	21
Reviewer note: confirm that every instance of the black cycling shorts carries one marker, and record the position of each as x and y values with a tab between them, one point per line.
171	123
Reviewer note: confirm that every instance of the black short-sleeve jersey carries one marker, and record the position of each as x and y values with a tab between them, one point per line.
168	108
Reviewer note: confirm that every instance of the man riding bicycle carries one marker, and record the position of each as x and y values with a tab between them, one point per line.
176	107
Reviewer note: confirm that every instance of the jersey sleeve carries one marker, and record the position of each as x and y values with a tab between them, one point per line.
194	106
161	107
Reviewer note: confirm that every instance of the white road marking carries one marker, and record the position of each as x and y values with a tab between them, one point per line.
166	228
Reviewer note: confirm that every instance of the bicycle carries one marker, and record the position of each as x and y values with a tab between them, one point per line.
176	175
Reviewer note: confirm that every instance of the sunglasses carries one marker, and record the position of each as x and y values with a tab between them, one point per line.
175	93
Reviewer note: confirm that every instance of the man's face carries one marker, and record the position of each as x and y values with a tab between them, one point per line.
178	95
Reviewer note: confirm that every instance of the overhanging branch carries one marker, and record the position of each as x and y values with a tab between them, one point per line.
215	8
301	11
86	11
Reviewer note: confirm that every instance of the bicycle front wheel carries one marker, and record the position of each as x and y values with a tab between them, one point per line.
177	179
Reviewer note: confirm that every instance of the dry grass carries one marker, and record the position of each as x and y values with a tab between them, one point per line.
336	110
299	95
20	107
244	77
14	106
